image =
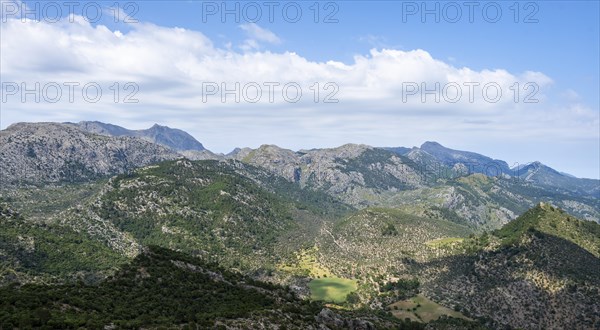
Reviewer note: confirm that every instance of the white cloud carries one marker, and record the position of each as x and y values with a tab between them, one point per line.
256	32
170	66
571	95
256	35
375	41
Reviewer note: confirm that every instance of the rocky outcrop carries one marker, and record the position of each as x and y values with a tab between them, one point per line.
332	320
34	153
357	174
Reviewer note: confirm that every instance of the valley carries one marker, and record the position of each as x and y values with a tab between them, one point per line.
354	237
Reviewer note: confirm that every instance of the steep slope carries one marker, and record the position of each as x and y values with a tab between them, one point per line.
35	153
34	252
374	245
440	162
488	202
419	181
162	288
357	174
398	150
171	138
433	155
547	219
236	214
530	274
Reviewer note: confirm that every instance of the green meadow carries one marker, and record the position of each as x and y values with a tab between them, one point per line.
331	289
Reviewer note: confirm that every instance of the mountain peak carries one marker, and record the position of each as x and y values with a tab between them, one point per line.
157	126
172	138
431	144
537	164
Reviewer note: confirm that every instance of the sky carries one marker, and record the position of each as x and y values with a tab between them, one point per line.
516	81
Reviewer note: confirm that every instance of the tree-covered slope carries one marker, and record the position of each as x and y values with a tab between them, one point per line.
530	274
159	288
553	221
164	289
233	213
31	251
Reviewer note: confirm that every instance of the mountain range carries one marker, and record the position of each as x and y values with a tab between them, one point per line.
353	237
359	175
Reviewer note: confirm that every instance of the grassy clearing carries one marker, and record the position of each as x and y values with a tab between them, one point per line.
421	309
444	242
331	289
306	264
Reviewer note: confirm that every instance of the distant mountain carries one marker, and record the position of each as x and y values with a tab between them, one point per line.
34	153
437	161
545	176
475	162
91	212
398	150
172	138
364	176
360	175
357	174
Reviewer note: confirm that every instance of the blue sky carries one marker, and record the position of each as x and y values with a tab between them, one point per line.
565	32
556	47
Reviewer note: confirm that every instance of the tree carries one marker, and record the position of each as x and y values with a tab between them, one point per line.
390	230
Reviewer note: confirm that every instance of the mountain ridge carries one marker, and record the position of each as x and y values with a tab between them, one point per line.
172	138
358	174
37	153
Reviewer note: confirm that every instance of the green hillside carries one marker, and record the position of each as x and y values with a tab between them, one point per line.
234	219
32	252
539	271
547	219
228	212
159	287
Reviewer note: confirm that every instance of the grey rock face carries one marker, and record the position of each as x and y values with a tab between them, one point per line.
201	155
354	173
34	153
478	163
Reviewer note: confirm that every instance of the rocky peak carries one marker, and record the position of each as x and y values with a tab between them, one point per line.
172	138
